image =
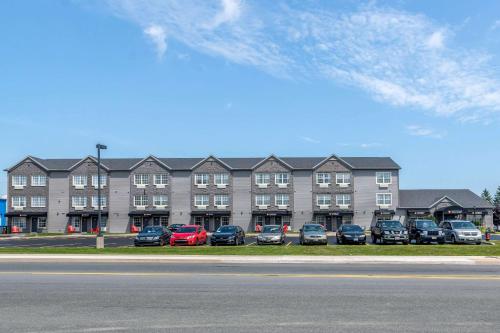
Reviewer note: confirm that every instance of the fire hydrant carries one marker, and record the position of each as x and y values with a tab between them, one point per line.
487	234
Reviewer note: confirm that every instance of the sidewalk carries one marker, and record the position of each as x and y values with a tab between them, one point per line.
233	259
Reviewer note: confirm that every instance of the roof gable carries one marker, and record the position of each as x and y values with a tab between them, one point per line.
24	160
271	157
91	158
336	158
150	157
209	159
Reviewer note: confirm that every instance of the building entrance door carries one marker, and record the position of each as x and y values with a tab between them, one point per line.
34	224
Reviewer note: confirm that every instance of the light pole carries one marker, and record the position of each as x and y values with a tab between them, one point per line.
100	236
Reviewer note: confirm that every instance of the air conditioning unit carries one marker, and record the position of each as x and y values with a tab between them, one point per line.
79	187
282	185
262	206
221	185
262	185
324	206
282	206
160	206
18	187
344	206
324	185
344	184
201	206
96	208
384	206
140	185
79	207
160	185
18	208
201	185
221	206
383	185
140	207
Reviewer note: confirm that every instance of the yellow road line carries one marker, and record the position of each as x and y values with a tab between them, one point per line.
274	275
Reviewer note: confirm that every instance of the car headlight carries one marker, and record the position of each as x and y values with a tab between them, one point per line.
260	237
405	232
191	237
156	237
387	233
276	237
424	233
440	233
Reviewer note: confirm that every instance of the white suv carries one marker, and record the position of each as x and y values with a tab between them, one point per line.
460	231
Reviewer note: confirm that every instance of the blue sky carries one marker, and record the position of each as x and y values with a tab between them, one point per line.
415	80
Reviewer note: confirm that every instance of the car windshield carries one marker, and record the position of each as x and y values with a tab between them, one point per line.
316	228
463	225
226	229
352	227
186	229
426	224
271	229
152	230
391	224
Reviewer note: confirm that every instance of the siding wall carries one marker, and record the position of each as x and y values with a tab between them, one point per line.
181	197
242	199
118	219
303	213
58	201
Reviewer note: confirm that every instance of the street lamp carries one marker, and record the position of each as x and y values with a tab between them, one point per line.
100	236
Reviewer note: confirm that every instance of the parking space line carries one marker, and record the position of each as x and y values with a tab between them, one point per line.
250	244
289	244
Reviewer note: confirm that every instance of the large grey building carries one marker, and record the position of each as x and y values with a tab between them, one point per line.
49	195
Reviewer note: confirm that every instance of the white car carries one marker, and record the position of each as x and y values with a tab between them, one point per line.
460	231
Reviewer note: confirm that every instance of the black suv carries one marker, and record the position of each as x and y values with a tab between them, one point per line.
424	231
389	231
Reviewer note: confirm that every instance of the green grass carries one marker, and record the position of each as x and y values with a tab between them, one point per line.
335	250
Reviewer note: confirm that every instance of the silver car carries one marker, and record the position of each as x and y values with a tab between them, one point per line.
271	234
313	234
460	231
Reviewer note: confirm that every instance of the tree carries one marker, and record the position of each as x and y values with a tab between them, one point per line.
496	200
487	196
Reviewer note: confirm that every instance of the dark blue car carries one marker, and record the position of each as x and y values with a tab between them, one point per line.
153	235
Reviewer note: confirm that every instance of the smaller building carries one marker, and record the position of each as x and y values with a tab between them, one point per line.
445	204
3	211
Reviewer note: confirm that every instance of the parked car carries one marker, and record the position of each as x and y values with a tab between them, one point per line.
228	234
153	235
189	235
389	231
312	234
175	226
350	233
271	234
460	231
424	231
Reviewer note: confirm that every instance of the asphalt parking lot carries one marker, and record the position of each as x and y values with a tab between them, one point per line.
120	241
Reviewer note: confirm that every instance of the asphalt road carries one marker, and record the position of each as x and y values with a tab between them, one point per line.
186	297
112	241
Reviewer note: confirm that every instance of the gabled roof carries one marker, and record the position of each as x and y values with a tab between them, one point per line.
428	198
371	163
152	158
208	158
335	157
270	157
103	165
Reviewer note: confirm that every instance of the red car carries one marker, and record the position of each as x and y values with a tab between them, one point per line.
189	235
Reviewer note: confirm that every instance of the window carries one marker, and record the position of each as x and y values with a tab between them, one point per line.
383	177
79	201
137	221
19	180
262	178
161	179
281	178
140	200
343	199
221	200
323	178
79	180
384	199
224	220
38	180
38	202
141	179
201	199
95	201
343	178
160	200
18	201
76	222
164	221
19	222
259	219
282	199
221	179
320	219
103	180
201	179
262	199
42	222
323	199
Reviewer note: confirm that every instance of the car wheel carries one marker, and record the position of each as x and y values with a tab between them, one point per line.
237	241
441	242
418	240
374	239
339	240
478	243
162	242
453	239
197	242
405	243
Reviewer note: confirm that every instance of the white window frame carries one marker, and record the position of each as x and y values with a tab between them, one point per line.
18	201
160	200
76	201
141	200
323	178
262	199
262	178
343	178
38	201
383	202
343	199
201	200
104	180
35	180
221	200
160	179
19	180
19	221
95	201
323	201
282	178
383	174
82	183
279	199
201	178
141	179
221	178
42	222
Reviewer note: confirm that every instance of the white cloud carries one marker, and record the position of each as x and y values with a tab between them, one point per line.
417	130
370	145
229	105
495	25
399	58
158	36
309	139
